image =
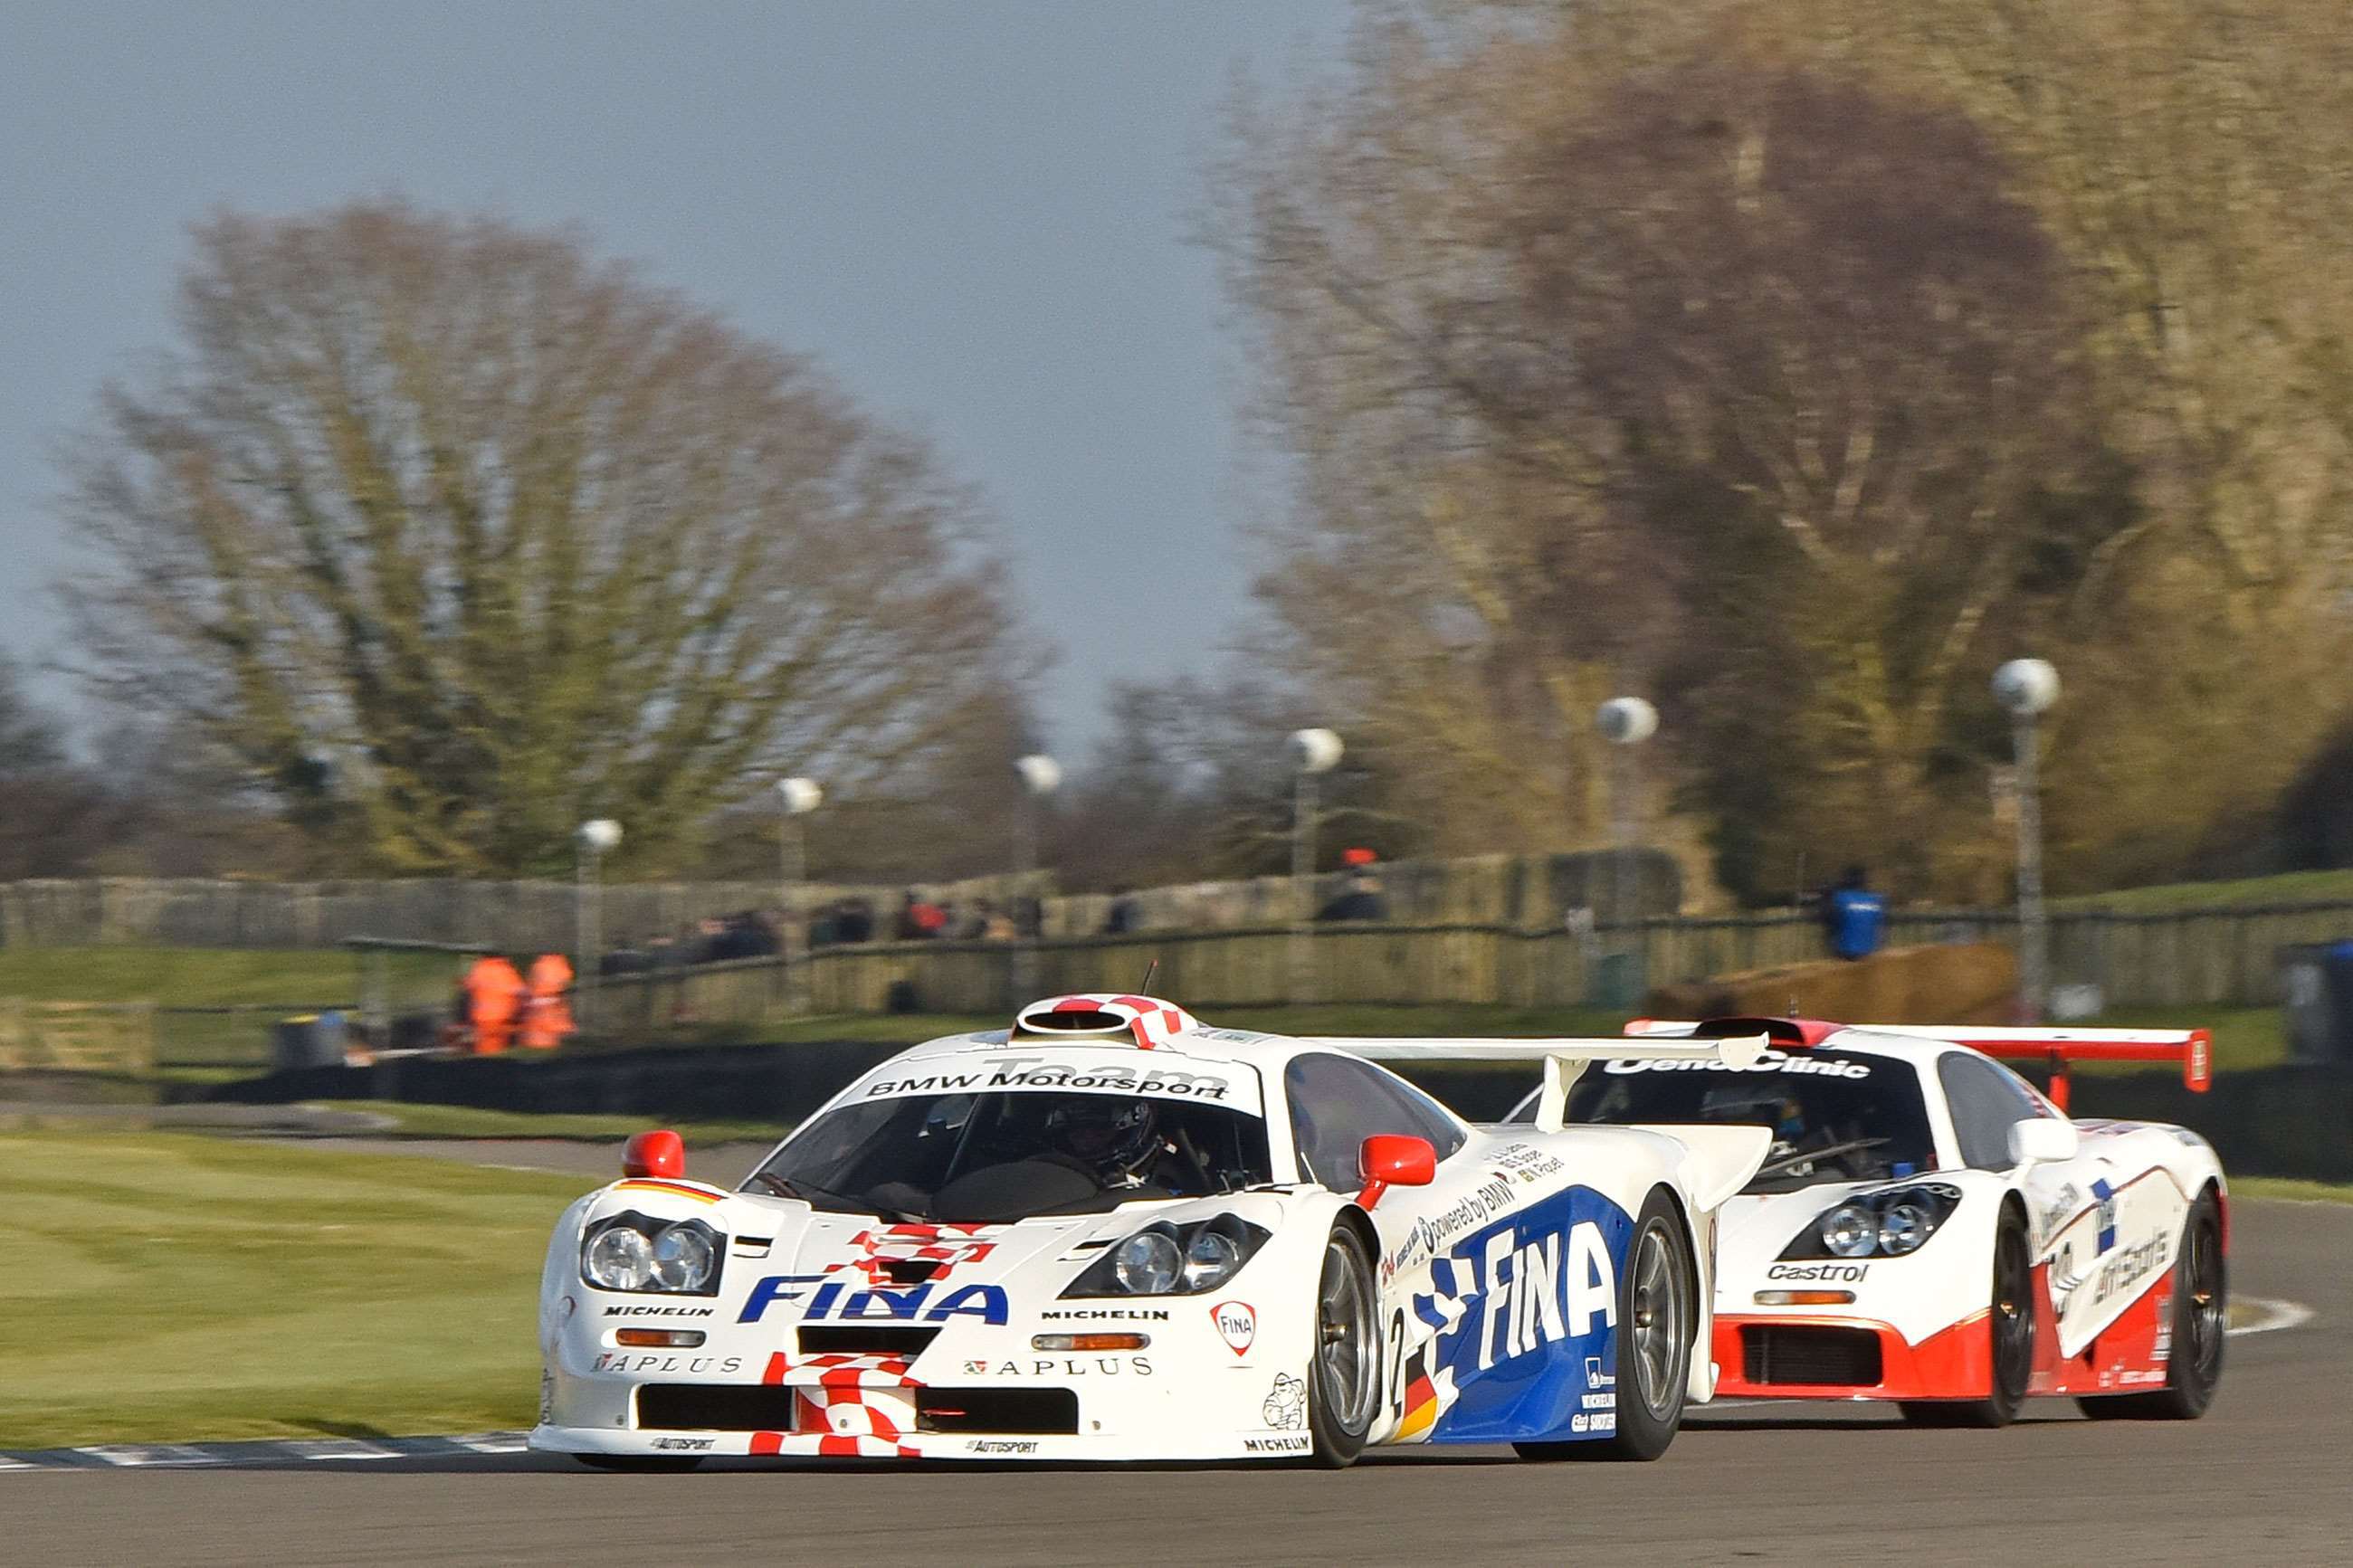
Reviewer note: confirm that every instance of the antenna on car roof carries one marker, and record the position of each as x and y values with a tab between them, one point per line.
1150	970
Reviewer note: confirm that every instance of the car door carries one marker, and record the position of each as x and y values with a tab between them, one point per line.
1337	1102
2103	1233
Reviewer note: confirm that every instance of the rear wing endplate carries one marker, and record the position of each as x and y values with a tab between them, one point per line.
1563	1060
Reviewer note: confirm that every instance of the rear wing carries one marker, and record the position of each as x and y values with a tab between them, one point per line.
1563	1060
2059	1048
2062	1049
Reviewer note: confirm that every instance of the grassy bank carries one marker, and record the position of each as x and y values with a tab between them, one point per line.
411	1120
179	1288
2287	888
203	977
2291	1190
1333	1018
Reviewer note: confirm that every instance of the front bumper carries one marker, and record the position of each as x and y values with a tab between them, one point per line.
1161	1448
1790	1356
960	1402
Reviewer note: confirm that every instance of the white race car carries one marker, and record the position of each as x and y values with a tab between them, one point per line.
1112	1233
1930	1229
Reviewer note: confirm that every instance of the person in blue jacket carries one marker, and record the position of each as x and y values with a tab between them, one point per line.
1854	919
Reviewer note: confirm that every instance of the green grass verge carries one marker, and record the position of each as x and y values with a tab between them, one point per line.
2288	887
2245	1038
468	1122
190	977
186	1287
2287	1187
1335	1018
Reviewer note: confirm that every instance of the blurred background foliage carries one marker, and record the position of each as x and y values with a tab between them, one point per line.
1793	362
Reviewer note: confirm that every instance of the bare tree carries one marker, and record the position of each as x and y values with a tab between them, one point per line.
1608	365
452	535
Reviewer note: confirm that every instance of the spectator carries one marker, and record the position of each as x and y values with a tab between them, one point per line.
1854	919
1120	918
494	994
745	934
1362	900
547	1012
920	920
996	924
854	922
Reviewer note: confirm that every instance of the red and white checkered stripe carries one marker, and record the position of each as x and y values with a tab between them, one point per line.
946	1245
846	1410
1152	1021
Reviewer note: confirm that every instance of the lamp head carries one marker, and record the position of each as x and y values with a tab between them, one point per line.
1314	751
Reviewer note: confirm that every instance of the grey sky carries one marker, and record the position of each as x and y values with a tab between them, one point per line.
974	213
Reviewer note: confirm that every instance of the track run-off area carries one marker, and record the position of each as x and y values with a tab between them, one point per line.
2262	1479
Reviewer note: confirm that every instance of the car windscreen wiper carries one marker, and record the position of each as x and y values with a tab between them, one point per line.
809	1192
1828	1152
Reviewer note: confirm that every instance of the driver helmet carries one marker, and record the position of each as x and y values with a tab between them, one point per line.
1107	1134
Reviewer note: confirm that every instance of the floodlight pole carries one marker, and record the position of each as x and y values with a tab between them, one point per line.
796	798
1042	775
2027	688
2033	924
1626	722
593	840
1312	753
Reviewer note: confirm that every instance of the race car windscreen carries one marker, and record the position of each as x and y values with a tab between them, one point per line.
1836	1116
972	1159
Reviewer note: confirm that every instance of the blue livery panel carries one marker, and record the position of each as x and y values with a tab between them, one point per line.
1526	1314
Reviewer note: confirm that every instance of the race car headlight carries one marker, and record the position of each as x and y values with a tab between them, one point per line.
618	1258
1146	1264
1902	1227
1166	1259
638	1253
1210	1258
1878	1224
1850	1230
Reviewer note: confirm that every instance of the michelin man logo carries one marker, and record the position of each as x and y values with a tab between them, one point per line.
1286	1408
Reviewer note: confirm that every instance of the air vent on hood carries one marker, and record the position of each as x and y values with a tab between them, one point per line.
1089	1022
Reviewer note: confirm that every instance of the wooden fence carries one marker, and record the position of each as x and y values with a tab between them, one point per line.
538	916
2192	957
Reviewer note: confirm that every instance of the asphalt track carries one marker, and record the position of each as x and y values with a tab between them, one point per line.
2266	1478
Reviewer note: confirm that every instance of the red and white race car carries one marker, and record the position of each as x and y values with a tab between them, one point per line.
1930	1229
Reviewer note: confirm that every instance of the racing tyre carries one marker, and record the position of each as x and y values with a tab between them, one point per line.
2012	1327
2202	1307
640	1464
1657	1315
1343	1384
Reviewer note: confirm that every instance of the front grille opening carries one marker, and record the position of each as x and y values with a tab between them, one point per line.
1025	1411
1804	1354
714	1407
911	1270
866	1339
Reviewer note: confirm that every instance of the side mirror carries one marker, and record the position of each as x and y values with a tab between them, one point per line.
1394	1159
2043	1139
660	1152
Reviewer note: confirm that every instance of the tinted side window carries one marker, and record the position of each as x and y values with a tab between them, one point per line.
1985	1101
1337	1102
